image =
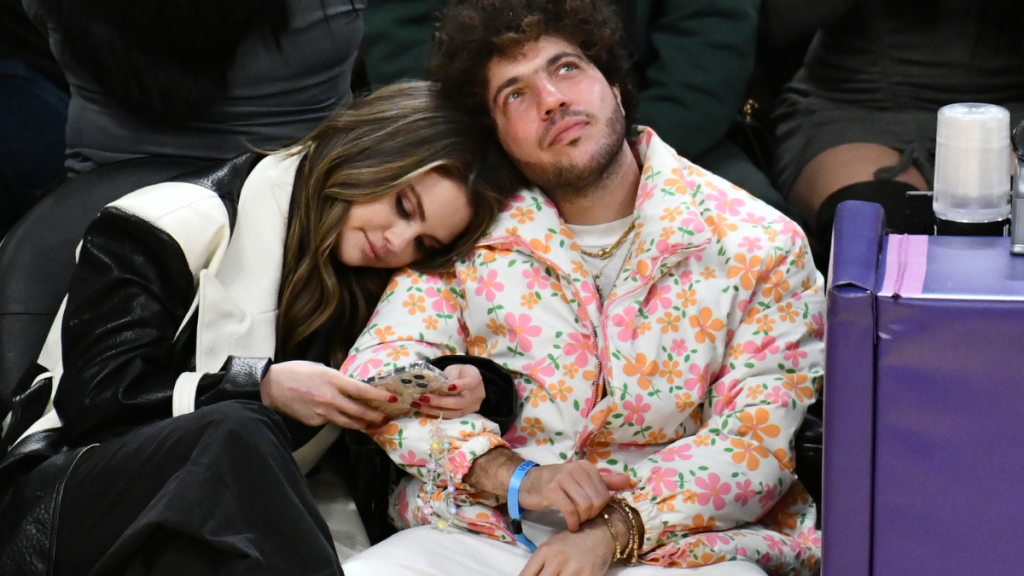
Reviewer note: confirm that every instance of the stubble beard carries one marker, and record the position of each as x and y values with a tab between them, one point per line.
567	181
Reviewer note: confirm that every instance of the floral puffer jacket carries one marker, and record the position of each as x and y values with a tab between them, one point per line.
693	377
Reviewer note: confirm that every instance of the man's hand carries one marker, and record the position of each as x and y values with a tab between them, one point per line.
576	489
587	552
465	394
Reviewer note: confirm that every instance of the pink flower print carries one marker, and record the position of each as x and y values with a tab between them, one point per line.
625	321
768	496
403	507
430	279
347	364
744	493
589	296
754	219
457	465
699	383
682	452
663	480
713	489
635	410
789	229
809	538
727	394
410	459
441	303
581	346
657	297
536	278
751	245
539	370
678	347
646	193
514	438
715	538
692	221
725	204
759	352
512	203
521	329
488	286
794	354
778	396
774	544
685	277
369	367
816	327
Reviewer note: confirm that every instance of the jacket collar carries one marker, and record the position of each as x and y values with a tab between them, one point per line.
668	222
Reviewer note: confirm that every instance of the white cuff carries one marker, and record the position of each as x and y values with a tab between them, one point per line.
184	399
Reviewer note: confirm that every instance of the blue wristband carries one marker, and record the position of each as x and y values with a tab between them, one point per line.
513	504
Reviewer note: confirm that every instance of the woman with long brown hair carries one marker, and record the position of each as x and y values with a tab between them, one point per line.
156	426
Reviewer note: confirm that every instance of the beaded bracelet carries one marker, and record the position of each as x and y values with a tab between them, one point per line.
439	472
615	538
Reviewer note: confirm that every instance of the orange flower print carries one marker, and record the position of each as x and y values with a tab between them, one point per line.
756	425
386	436
765	324
702	440
749	452
477	346
671	214
776	286
748	269
690	497
797	383
384	334
397	353
684	402
798	258
669	323
560	391
667	232
542	246
687	298
699	524
754	392
640	366
530	300
719	226
468	275
670	371
708	273
706	559
679	184
497	328
415	304
706	325
537	396
736	351
430	323
570	370
643	328
532	426
667	504
522	215
787	313
785	459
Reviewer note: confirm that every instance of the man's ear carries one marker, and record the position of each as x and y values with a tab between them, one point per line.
618	97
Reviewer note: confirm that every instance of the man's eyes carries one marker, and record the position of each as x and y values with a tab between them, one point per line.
513	96
568	67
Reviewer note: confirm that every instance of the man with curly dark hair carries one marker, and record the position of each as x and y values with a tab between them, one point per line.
661	325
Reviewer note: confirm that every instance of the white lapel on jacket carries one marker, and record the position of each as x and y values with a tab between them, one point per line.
237	296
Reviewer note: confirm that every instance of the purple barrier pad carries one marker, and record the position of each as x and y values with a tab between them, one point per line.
973	267
947	473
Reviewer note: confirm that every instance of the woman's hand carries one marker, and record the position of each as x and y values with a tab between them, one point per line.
588	552
315	394
465	394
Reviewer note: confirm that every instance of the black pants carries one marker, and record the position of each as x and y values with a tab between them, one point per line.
213	492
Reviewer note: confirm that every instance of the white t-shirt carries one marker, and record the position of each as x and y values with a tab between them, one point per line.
597	237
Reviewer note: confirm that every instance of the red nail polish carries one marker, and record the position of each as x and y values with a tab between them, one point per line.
425	399
415	405
452	387
392	399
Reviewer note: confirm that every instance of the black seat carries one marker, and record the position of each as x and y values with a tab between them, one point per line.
38	255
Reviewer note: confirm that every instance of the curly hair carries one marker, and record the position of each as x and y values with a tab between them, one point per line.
474	32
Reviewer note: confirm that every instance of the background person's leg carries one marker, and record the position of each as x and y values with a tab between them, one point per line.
216	490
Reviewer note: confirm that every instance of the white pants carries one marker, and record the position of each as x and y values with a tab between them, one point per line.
428	551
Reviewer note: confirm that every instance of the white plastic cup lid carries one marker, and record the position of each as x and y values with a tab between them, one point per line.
972	163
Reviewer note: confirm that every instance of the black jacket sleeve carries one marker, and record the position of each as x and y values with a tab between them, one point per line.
502	403
121	346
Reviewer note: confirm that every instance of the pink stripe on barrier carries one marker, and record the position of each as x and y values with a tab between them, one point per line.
906	263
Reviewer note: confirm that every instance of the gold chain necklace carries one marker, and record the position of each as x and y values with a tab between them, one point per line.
597	277
606	252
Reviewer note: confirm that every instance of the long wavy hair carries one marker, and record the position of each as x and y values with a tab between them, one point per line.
369	150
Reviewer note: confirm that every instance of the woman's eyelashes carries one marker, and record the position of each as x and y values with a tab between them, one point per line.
403	206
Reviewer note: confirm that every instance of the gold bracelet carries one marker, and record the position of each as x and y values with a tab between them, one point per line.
631	555
615	537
